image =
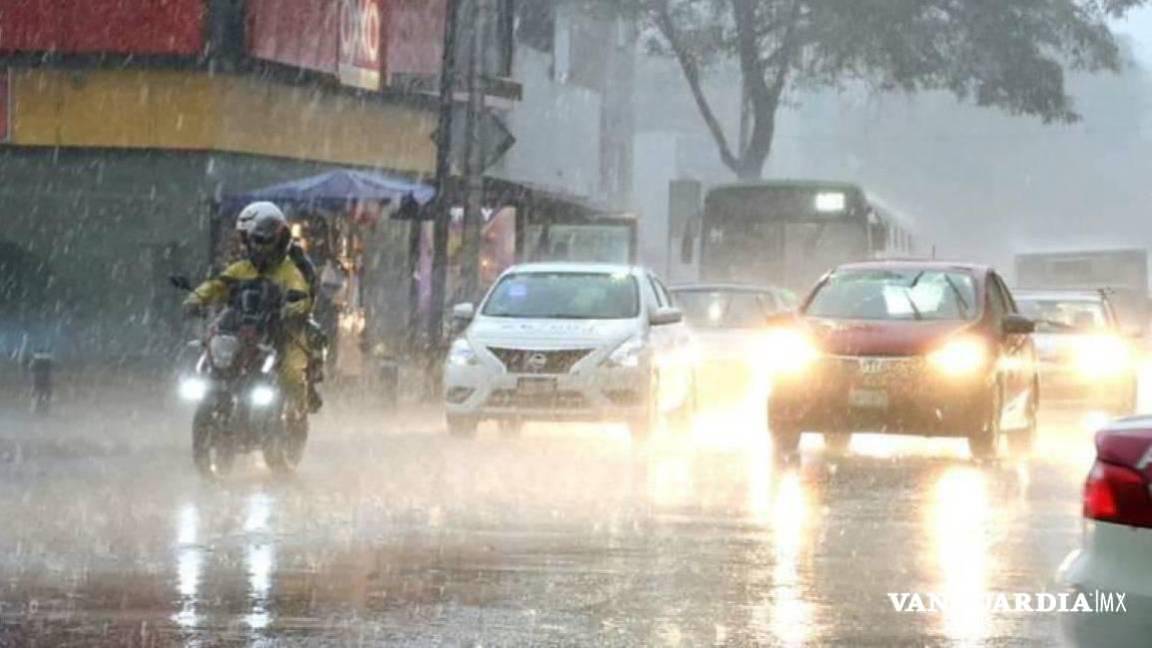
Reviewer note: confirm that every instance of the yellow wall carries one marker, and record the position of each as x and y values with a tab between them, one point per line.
193	110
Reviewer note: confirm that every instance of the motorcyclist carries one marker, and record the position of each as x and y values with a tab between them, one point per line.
296	251
266	246
315	337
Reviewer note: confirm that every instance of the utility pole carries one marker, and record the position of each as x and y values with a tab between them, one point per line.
442	209
479	14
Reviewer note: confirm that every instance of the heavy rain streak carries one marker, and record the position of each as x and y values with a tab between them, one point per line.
575	322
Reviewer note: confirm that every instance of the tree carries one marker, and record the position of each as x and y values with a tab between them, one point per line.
1008	54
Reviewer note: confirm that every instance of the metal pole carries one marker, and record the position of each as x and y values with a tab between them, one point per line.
442	208
473	160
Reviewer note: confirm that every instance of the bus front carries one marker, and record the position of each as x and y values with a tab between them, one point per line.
785	234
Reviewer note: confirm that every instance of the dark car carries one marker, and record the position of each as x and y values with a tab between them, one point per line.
1086	358
728	320
906	347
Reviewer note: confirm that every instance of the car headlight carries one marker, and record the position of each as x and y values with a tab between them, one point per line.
193	389
262	396
461	354
962	356
789	352
1101	357
627	355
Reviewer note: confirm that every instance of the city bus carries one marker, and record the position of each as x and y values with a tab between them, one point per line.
788	233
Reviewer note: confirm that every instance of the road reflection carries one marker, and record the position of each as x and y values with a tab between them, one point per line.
789	614
189	566
959	517
260	557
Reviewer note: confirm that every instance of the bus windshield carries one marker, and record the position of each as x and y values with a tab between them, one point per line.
896	295
785	235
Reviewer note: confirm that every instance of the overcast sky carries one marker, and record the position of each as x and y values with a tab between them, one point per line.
1138	26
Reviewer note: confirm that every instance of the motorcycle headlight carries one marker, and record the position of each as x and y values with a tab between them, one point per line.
462	354
962	356
193	389
222	349
1102	356
627	355
788	352
262	396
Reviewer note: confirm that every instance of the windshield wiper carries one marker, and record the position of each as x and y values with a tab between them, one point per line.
911	302
916	279
960	301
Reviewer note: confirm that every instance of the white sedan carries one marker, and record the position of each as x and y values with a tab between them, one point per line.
1116	551
570	342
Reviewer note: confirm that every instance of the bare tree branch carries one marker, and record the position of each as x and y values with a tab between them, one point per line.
667	26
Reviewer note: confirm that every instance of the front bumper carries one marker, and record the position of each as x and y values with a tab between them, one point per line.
1063	384
612	394
891	395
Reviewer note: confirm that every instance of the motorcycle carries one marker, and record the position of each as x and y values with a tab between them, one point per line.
240	406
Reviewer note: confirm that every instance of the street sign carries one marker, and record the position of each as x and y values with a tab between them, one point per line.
495	139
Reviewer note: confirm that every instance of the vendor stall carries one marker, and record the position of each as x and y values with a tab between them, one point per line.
339	218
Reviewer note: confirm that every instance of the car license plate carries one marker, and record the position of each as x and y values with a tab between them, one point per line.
536	386
869	398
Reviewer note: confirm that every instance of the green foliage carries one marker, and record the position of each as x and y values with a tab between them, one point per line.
1007	54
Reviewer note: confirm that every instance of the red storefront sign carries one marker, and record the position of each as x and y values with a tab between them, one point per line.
299	33
103	26
415	40
361	43
364	42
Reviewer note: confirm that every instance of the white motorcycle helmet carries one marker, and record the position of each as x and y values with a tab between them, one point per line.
254	211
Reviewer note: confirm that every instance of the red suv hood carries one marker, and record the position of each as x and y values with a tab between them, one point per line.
875	338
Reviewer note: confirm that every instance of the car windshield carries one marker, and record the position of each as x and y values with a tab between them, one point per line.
565	295
896	295
1057	315
720	309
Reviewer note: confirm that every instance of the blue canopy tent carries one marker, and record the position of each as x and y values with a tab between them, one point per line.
334	190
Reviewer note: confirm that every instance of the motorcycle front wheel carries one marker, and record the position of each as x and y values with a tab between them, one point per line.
284	447
212	450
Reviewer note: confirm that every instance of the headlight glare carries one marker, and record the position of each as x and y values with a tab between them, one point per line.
962	356
1102	356
193	389
789	352
462	354
262	396
627	355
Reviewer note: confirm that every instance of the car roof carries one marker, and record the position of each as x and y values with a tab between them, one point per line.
1089	295
916	264
723	287
573	268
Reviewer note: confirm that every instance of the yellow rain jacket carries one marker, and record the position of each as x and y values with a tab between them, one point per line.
294	345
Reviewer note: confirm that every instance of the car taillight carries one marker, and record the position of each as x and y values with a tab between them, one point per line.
1117	494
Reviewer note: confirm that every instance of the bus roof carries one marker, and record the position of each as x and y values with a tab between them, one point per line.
787	183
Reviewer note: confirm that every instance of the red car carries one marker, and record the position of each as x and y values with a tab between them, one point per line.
906	347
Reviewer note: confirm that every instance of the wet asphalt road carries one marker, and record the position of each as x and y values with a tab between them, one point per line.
397	534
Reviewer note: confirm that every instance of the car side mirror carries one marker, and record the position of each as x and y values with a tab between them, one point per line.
662	316
180	282
1018	325
464	312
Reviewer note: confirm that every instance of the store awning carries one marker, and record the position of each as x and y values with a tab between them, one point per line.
335	190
